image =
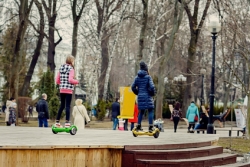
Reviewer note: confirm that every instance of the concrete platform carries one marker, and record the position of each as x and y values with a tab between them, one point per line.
33	146
34	137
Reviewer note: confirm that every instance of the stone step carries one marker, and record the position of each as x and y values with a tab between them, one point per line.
208	161
167	146
176	153
238	164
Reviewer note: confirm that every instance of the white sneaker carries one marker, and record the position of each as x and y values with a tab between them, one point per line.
67	125
57	124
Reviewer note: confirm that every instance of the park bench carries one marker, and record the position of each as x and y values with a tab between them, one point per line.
222	129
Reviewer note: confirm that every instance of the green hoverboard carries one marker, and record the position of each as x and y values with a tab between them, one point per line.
72	129
155	133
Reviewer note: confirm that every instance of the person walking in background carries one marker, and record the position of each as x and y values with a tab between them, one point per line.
192	112
30	110
80	114
3	108
65	80
176	115
115	112
144	88
135	119
43	111
12	112
7	112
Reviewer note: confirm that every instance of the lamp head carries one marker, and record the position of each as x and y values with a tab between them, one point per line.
214	26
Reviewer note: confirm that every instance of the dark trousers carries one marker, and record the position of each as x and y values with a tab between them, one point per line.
65	100
176	121
191	125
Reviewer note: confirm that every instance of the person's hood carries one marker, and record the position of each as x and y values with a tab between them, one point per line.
64	68
142	73
192	105
8	103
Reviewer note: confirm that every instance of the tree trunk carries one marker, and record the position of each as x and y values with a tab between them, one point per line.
112	53
51	13
104	63
51	46
142	34
24	11
188	96
195	28
178	15
26	84
74	38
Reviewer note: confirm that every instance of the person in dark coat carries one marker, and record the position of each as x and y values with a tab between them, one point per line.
115	112
30	110
203	122
43	111
144	88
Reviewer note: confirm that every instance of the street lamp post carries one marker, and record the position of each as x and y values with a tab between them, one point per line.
203	71
214	28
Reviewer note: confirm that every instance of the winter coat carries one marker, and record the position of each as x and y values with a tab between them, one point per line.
42	109
80	115
115	109
65	79
144	88
192	111
7	113
135	119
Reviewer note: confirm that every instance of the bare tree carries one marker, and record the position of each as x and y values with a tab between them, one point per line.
24	12
103	31
75	7
178	14
144	22
195	29
51	13
40	31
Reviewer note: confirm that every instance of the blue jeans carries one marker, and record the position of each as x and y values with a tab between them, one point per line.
115	123
200	126
65	100
43	121
150	116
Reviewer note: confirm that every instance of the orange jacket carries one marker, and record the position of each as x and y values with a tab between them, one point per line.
135	119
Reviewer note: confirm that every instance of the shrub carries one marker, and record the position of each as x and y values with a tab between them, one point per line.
101	109
53	107
22	108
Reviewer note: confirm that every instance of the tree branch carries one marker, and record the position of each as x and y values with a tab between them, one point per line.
60	38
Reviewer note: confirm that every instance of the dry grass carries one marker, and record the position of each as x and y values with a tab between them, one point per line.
239	145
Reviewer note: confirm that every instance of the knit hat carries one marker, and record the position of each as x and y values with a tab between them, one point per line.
143	66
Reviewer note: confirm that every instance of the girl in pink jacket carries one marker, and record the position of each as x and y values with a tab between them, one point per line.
65	80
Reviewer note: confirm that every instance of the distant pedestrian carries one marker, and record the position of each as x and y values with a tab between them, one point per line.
176	115
12	112
3	108
192	112
9	111
80	114
43	111
30	110
115	112
135	119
